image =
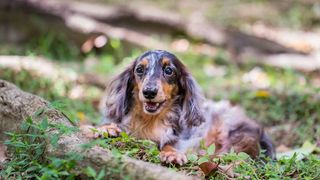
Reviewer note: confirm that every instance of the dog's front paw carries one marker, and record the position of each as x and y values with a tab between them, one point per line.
173	157
111	130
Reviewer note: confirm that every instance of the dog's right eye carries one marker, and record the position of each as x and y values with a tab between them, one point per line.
139	70
168	71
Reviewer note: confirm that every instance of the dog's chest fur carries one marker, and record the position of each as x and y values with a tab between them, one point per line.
160	129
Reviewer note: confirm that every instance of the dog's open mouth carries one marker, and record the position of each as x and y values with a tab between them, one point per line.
152	107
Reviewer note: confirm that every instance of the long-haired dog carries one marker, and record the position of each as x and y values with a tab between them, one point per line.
156	98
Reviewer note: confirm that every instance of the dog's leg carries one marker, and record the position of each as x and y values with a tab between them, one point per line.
95	132
169	154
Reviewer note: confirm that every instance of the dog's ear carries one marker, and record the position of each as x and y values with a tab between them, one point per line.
120	95
192	113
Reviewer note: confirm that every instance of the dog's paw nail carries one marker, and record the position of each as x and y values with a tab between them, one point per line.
173	157
162	157
118	130
185	159
112	132
179	161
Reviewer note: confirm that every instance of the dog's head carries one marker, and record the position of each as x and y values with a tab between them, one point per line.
156	80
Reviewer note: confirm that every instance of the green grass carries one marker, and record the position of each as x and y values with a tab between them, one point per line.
27	160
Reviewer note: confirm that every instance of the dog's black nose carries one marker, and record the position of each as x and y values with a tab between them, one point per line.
150	93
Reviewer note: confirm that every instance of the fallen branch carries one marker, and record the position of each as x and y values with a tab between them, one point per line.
48	69
16	105
39	65
304	63
98	18
304	41
82	23
89	25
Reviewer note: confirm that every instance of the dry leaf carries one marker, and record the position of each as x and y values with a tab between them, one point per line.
228	170
306	149
209	168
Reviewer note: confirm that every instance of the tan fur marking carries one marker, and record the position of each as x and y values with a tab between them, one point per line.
169	90
144	62
165	61
138	84
217	136
168	148
169	154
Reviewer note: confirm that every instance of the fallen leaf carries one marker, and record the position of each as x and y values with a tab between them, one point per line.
306	149
209	168
81	116
228	170
262	93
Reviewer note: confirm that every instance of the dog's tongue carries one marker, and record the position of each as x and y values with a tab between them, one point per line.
151	106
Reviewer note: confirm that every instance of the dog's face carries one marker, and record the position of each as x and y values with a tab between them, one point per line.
157	83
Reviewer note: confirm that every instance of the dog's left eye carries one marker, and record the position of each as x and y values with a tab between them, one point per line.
139	70
168	71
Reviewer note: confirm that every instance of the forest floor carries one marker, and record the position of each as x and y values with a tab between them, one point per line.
284	100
